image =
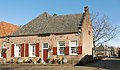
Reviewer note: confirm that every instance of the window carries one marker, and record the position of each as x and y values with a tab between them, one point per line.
74	50
18	50
73	44
61	47
45	45
32	50
62	50
61	43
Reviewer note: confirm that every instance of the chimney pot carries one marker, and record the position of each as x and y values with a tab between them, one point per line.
55	14
20	25
86	9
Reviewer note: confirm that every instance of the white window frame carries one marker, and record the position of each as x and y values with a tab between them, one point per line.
43	46
31	50
72	46
16	50
58	47
1	56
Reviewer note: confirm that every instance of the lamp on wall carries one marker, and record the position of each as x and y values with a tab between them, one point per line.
7	39
61	36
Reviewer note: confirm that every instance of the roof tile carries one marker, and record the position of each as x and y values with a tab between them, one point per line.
7	28
46	23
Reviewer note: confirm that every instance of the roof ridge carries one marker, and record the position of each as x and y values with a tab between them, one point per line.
45	14
71	14
8	23
7	28
46	23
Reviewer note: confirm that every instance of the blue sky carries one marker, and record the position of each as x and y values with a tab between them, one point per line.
20	12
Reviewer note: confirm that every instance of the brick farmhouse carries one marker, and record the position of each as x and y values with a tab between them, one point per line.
49	37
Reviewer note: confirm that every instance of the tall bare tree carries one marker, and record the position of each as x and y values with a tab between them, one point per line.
102	29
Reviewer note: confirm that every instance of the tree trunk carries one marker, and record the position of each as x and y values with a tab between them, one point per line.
94	49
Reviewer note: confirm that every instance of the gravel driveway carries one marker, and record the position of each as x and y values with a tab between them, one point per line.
107	63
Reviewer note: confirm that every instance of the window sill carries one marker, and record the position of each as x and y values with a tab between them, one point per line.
60	54
17	56
73	54
32	56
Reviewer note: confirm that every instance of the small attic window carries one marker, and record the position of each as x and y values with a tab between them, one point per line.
89	33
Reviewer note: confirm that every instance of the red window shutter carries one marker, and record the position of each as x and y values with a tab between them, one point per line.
22	50
37	49
26	50
12	50
4	55
67	50
54	50
79	49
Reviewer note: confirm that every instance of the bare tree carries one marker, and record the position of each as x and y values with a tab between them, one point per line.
102	30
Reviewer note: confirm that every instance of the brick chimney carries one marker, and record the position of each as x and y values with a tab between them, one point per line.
86	9
55	14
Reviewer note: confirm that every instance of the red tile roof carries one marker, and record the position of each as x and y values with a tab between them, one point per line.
7	28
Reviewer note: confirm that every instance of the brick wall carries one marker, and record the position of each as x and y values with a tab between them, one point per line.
87	35
52	40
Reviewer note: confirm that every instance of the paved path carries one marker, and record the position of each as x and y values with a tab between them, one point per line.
49	68
107	63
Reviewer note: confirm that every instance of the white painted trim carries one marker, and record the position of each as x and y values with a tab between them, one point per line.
73	54
42	54
30	50
60	54
58	47
16	52
72	46
48	45
61	46
0	56
70	42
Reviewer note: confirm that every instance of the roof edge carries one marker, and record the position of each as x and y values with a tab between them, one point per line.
38	34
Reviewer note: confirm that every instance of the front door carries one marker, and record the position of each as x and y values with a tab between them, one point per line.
45	54
45	51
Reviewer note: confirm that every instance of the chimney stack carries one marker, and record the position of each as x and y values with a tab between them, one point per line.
55	14
86	9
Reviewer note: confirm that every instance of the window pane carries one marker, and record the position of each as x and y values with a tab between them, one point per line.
33	49
62	50
45	45
73	43
61	43
74	49
18	49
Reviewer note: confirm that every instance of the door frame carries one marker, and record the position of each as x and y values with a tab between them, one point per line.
42	51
